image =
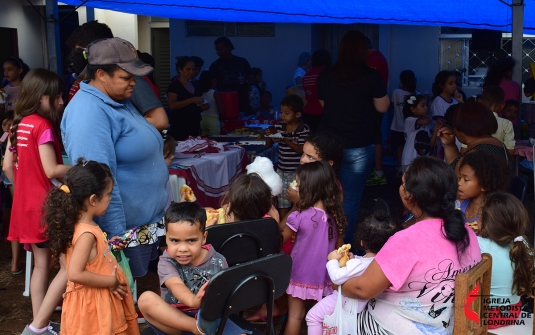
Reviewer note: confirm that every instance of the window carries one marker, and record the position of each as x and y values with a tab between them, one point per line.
456	54
229	29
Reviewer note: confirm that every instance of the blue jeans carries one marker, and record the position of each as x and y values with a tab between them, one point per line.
356	167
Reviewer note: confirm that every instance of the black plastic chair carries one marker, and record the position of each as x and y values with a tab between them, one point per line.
244	241
518	188
244	286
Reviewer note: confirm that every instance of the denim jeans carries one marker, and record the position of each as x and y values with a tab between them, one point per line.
356	167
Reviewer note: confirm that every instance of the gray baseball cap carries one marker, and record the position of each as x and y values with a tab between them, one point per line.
117	51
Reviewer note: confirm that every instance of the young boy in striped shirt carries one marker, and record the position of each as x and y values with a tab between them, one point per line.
294	134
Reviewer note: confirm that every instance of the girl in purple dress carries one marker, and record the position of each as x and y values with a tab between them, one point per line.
319	225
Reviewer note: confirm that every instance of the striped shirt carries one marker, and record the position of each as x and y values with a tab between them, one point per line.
289	160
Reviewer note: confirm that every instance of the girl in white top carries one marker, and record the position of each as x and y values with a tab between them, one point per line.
420	137
446	94
407	86
502	234
375	231
210	118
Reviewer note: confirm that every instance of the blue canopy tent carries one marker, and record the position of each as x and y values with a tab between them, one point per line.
482	14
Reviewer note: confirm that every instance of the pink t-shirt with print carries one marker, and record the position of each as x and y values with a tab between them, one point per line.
422	265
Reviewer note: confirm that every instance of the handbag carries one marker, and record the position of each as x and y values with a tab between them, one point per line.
344	319
122	260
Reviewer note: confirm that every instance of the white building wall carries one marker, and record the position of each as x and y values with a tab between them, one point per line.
29	30
122	25
276	56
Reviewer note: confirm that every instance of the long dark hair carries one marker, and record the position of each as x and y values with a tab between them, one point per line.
37	83
317	181
19	64
351	67
499	70
504	218
329	147
61	211
440	80
433	186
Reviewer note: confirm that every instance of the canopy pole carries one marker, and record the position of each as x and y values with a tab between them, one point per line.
52	32
517	39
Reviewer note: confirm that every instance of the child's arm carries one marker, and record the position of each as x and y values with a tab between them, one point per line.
286	234
7	166
83	252
354	267
49	162
509	137
183	294
294	146
433	140
423	120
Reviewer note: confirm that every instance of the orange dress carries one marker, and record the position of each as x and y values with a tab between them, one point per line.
95	310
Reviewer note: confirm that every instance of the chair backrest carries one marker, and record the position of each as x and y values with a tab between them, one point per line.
518	188
245	240
247	285
465	291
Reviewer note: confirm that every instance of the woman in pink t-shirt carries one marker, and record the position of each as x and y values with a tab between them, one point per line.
500	74
411	282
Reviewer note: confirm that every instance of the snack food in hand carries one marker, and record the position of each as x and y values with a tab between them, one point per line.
190	196
215	213
293	184
344	250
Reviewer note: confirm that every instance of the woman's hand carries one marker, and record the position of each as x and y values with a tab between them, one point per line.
115	242
119	288
446	136
334	255
292	195
205	107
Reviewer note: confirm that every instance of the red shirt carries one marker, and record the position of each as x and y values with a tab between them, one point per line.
32	183
378	62
310	80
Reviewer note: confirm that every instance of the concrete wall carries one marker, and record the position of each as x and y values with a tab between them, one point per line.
28	23
276	56
410	48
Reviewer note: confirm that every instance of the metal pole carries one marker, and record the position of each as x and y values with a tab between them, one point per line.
90	13
517	39
52	31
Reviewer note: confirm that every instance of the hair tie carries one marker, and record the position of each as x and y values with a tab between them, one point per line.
65	188
519	239
13	149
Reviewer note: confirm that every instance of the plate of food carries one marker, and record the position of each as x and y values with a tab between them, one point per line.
277	135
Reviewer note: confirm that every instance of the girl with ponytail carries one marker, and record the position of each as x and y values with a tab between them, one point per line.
32	160
502	233
411	281
95	281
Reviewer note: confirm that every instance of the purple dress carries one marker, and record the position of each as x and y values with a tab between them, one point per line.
309	278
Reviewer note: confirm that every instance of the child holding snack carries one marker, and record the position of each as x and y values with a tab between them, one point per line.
97	299
319	224
291	134
375	231
480	174
184	270
502	233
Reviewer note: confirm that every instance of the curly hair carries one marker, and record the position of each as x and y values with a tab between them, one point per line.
504	218
329	148
61	210
294	102
376	229
492	172
317	181
36	84
249	197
